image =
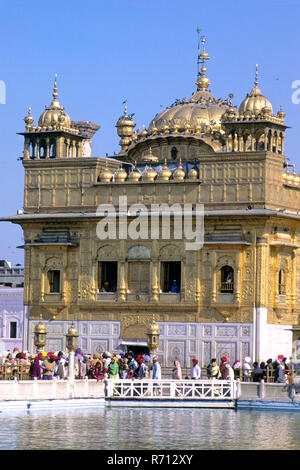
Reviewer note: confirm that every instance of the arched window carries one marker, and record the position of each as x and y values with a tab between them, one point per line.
43	149
227	280
52	149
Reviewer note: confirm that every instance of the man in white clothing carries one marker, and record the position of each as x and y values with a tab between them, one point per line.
195	370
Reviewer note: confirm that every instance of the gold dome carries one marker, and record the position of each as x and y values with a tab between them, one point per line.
165	174
55	114
149	174
28	119
106	174
255	103
179	173
40	328
125	124
120	175
193	174
281	114
149	158
153	329
72	331
202	112
134	175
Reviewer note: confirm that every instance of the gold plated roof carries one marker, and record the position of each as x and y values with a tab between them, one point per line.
255	103
54	115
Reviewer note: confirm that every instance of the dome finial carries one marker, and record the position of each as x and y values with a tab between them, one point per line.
203	82
125	108
55	94
256	75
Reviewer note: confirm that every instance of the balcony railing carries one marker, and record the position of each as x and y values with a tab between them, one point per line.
171	389
226	287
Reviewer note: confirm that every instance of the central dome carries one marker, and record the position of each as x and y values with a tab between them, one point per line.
201	111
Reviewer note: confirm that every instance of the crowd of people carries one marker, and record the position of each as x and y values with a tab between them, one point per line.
127	365
276	370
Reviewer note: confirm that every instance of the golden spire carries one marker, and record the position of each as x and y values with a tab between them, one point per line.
256	75
203	81
55	102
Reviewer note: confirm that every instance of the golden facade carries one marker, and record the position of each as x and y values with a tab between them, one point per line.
199	150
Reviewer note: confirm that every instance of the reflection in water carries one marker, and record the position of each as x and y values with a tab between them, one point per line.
132	428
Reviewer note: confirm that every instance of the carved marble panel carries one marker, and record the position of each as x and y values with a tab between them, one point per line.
192	330
83	343
226	349
207	330
55	328
226	331
175	350
84	328
55	344
99	345
177	330
207	352
244	331
100	330
245	349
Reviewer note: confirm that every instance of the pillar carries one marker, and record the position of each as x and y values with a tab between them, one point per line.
261	297
26	148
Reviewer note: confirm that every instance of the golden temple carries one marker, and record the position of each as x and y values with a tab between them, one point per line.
239	295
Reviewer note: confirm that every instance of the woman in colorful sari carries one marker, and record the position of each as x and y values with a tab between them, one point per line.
113	369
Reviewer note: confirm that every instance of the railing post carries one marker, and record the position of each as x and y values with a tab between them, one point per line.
15	388
261	389
54	387
86	387
35	387
172	389
238	389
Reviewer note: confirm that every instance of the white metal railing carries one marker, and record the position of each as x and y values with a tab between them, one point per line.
173	389
50	389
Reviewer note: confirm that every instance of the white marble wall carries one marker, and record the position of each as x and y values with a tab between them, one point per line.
183	341
11	310
203	341
93	336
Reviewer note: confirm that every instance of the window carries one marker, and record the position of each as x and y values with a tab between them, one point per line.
13	329
281	282
138	276
53	281
227	280
107	276
174	152
170	279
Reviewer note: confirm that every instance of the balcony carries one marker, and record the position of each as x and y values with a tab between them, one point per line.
107	296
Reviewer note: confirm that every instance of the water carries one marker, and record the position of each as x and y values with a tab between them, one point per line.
153	429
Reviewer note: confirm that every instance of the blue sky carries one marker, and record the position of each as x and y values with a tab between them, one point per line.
142	51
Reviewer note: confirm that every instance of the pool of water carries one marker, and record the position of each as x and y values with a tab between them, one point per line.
153	429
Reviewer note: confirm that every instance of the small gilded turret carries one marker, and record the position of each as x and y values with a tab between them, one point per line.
120	175
164	174
106	174
125	128
179	173
150	174
28	120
